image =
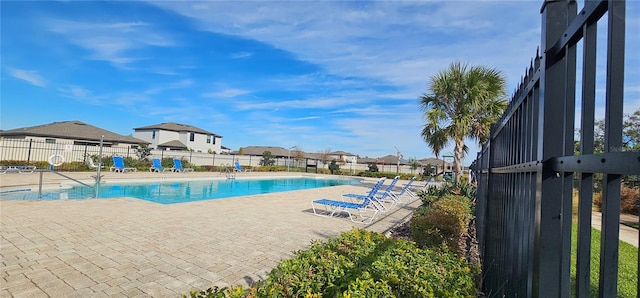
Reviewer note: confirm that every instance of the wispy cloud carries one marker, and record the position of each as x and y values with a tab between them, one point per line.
226	93
30	76
399	42
81	94
241	55
113	42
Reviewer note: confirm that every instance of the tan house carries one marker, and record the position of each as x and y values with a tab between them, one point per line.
71	132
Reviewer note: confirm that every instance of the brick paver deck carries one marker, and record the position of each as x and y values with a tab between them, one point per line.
134	248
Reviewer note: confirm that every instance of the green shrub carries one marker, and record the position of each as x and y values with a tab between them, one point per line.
270	169
367	264
334	167
323	171
444	223
216	292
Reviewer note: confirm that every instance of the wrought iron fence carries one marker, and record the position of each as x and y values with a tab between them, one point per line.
37	152
526	171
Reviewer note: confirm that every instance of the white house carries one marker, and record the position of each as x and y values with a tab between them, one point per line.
176	136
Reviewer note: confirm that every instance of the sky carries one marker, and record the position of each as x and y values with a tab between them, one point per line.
319	75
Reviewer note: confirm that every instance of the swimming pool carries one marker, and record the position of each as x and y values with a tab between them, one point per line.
171	192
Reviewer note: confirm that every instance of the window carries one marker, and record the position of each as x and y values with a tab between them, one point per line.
192	136
208	139
153	133
50	141
214	140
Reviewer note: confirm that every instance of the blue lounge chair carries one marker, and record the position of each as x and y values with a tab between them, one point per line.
157	166
177	166
381	196
331	207
118	165
238	168
406	189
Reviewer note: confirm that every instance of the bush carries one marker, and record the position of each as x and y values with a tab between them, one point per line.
270	169
629	200
367	264
452	188
334	167
444	223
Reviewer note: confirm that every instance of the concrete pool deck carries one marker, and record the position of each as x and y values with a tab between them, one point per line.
133	248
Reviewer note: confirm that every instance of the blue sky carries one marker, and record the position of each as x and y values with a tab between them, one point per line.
314	74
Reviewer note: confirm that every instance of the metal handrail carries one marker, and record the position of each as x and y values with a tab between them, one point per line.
41	171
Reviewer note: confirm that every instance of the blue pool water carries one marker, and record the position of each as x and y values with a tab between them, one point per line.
180	191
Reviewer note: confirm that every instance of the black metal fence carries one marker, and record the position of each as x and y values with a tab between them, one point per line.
527	171
74	156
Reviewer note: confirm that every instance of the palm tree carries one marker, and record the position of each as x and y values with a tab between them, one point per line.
462	102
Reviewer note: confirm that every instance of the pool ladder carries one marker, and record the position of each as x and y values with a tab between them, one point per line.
231	175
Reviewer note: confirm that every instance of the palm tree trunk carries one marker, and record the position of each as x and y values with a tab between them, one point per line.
459	154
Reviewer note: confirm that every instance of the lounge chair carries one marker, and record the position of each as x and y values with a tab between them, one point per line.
17	169
238	168
177	166
381	196
157	166
91	163
331	207
406	189
118	165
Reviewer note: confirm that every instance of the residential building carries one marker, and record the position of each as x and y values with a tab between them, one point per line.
71	132
258	150
342	156
176	136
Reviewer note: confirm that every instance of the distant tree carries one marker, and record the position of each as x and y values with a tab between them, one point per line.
462	102
240	152
325	156
429	170
267	159
298	155
143	151
630	135
413	164
334	167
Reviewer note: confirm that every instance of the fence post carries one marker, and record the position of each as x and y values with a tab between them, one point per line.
29	152
613	127
548	224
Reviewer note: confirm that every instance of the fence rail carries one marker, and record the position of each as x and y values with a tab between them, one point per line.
527	171
33	151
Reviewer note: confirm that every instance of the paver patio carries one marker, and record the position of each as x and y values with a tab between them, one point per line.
133	248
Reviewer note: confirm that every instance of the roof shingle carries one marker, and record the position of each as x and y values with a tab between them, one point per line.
75	130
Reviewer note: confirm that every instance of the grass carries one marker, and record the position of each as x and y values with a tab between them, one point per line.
627	261
627	265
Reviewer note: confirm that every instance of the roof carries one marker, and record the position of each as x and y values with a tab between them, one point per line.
74	130
431	161
366	160
172	126
341	153
389	159
173	144
258	150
